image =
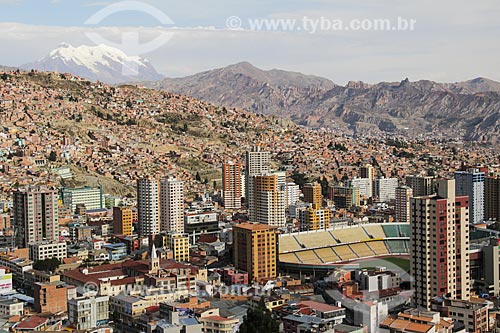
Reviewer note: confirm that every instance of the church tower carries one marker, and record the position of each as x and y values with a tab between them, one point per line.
154	261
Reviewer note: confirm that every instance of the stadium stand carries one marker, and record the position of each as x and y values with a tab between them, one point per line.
344	252
391	230
362	250
290	257
349	235
342	245
375	231
288	243
315	239
404	230
308	257
378	247
327	255
398	246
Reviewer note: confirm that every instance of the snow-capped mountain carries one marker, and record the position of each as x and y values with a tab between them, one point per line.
103	63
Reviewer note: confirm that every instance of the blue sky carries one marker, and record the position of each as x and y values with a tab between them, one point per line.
453	40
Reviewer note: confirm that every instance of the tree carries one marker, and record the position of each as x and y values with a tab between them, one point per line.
47	265
52	156
259	320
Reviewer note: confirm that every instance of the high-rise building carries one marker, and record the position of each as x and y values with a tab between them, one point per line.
385	188
255	250
367	171
403	195
172	205
122	221
36	215
492	198
312	193
179	244
148	206
231	185
471	184
257	162
91	197
269	195
314	218
421	185
344	196
439	245
293	193
365	186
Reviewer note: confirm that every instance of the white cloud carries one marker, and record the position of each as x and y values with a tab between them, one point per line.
453	40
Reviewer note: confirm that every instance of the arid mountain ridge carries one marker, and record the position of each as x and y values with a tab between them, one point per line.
466	110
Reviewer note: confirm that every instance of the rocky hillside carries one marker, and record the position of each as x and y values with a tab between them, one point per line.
468	110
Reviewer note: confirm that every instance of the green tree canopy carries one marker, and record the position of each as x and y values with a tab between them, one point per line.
259	320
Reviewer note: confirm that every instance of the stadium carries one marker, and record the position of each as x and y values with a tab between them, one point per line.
319	252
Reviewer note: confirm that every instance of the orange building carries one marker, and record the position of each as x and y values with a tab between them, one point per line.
122	221
255	250
312	194
51	297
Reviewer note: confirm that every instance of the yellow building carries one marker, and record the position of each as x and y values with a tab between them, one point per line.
312	193
122	221
179	244
314	218
255	249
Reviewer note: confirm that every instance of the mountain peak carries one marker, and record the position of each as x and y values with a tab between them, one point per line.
100	62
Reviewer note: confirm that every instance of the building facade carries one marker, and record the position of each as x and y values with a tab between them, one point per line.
172	205
471	184
312	194
257	162
36	215
255	250
231	185
269	195
421	185
492	198
439	245
88	312
122	221
402	205
48	250
91	197
148	206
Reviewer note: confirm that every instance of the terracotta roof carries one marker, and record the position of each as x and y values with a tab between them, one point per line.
32	323
322	307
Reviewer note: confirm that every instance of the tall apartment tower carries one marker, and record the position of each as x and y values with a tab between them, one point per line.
312	194
255	250
172	205
385	188
270	197
257	162
439	245
367	171
36	215
471	184
231	185
403	195
148	206
421	185
492	198
122	221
